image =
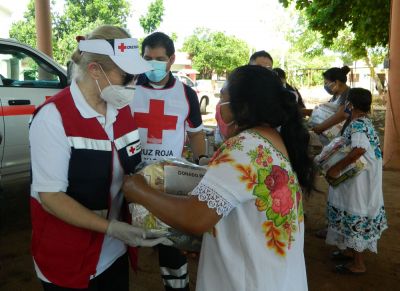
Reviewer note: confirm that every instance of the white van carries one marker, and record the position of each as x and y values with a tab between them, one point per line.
27	78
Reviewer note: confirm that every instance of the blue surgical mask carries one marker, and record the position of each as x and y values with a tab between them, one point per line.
328	88
347	109
159	71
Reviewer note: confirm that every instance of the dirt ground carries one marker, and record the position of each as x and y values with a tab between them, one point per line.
383	269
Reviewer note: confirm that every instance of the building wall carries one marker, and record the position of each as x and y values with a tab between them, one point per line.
5	16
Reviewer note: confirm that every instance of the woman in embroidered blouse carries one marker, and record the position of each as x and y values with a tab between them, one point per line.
249	203
356	214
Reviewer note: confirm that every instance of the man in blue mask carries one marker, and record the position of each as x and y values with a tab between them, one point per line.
164	110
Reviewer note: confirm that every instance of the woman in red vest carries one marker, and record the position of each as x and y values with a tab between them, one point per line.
83	140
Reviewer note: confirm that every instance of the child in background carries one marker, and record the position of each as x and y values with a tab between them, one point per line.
356	213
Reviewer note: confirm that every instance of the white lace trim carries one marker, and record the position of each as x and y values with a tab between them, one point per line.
342	242
213	199
360	140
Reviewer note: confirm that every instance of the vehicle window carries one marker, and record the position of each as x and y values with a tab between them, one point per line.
187	81
18	69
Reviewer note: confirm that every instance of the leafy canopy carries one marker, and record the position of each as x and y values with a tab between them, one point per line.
79	17
215	52
365	23
152	20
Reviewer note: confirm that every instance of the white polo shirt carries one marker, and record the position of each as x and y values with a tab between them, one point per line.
50	154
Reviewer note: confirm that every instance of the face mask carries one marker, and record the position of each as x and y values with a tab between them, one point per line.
328	89
116	95
347	109
224	128
159	71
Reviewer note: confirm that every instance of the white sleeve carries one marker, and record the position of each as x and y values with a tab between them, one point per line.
50	151
221	186
191	129
360	140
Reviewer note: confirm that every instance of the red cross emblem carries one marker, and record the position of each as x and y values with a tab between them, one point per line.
122	47
155	121
132	149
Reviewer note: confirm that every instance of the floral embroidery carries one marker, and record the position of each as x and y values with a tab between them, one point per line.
272	234
222	155
276	189
364	125
359	228
221	158
277	194
248	176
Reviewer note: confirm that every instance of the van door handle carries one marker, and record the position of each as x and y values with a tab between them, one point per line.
19	102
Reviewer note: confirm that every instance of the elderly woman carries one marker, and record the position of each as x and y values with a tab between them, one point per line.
249	203
356	212
81	146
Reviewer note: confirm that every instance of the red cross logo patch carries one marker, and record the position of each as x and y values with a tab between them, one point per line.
122	47
155	121
133	149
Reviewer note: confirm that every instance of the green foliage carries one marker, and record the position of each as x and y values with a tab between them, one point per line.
25	30
358	29
79	18
174	37
215	52
368	21
154	16
306	55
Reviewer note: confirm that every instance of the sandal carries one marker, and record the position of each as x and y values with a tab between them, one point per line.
344	270
339	256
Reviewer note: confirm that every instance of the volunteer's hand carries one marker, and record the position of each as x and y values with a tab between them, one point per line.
133	236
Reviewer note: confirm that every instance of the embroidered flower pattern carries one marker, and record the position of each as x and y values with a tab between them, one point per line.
278	195
222	154
364	125
276	190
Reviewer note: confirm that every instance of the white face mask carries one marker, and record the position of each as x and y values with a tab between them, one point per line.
117	96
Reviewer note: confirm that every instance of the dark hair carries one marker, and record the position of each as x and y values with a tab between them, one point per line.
334	74
360	98
159	39
262	54
281	73
257	97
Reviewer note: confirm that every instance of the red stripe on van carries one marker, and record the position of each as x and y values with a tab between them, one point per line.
17	110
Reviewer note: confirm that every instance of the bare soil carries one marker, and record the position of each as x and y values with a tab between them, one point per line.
383	269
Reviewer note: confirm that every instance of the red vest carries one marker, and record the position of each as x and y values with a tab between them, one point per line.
67	255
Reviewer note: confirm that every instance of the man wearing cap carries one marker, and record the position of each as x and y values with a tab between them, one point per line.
165	110
83	140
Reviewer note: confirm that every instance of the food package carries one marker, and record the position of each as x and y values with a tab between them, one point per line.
172	176
322	113
334	152
334	131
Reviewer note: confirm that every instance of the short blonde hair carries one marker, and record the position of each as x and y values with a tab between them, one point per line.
81	60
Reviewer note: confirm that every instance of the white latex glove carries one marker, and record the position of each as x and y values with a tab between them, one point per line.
133	236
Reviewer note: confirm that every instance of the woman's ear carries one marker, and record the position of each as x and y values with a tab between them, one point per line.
94	70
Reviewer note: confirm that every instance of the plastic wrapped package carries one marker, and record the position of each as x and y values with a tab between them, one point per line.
172	176
334	131
334	152
322	113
